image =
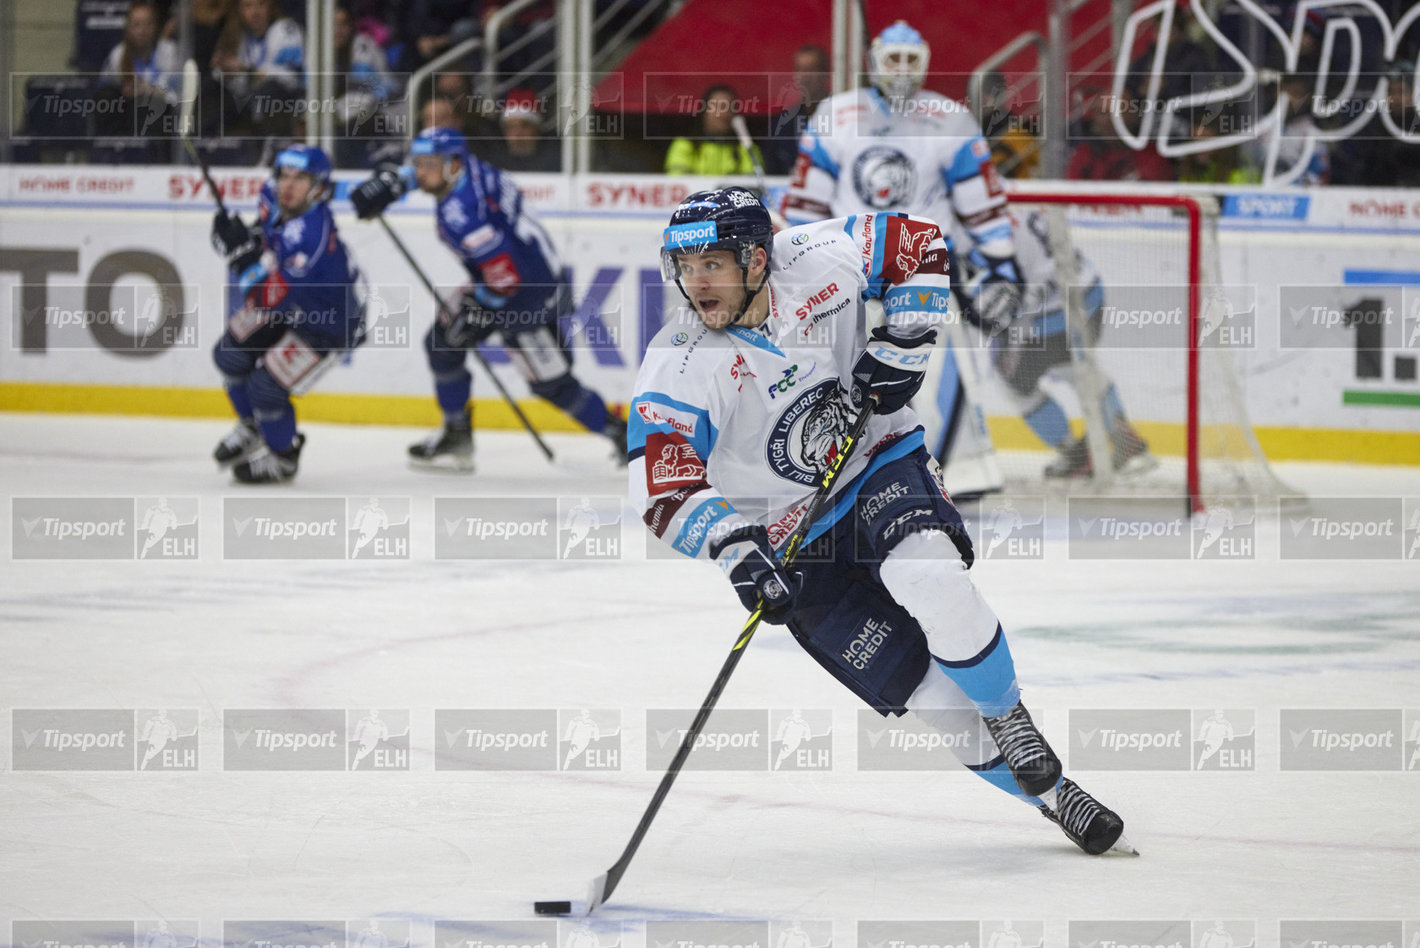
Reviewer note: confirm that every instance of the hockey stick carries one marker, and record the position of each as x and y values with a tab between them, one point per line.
444	309
747	143
186	127
603	885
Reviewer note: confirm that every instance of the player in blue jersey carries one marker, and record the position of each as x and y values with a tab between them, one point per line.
303	302
518	290
743	401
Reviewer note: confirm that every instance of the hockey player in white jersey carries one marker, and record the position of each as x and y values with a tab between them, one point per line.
743	400
1034	343
897	146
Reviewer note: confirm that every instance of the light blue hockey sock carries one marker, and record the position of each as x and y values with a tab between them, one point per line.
996	773
1049	423
988	678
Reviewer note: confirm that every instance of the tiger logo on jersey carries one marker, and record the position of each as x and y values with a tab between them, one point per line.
884	178
805	438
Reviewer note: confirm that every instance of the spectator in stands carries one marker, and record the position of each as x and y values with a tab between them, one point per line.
717	151
523	146
1214	166
1374	156
1014	150
436	25
1099	155
812	81
1302	158
261	57
143	71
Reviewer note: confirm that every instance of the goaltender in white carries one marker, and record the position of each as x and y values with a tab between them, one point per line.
742	402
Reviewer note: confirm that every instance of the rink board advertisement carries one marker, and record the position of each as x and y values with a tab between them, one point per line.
113	299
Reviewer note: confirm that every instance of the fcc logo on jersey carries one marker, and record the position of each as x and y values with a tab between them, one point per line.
884	178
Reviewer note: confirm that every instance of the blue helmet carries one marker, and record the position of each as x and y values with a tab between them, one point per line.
440	140
733	219
897	60
312	161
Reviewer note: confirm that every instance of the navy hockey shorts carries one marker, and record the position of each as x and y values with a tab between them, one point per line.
843	616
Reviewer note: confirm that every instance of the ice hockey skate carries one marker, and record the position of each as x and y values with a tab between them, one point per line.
616	431
449	449
271	467
1091	825
1032	762
238	444
1129	451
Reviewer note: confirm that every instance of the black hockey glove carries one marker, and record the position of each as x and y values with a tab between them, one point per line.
372	197
891	368
747	558
471	324
238	244
994	290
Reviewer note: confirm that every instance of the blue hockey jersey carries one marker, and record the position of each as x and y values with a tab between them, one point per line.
510	257
309	270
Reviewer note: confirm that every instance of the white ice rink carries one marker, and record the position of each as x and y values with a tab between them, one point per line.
828	848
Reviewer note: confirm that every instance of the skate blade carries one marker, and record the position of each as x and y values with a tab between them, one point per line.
444	464
1122	847
1137	466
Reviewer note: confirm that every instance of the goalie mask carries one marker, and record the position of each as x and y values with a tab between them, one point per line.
897	61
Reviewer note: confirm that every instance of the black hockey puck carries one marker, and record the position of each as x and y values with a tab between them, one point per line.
552	908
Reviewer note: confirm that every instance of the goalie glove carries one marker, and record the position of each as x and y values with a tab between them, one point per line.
372	197
994	290
471	324
745	556
891	369
237	243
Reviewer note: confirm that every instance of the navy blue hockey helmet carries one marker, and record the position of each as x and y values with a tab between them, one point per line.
730	218
309	159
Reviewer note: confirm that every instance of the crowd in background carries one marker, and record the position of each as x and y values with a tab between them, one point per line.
251	57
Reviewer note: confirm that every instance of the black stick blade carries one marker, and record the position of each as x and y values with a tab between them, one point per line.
552	908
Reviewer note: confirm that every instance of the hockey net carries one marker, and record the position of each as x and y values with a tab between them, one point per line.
1167	330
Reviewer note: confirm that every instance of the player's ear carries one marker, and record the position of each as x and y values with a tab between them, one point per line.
759	260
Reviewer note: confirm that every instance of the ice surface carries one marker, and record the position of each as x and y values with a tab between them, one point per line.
840	847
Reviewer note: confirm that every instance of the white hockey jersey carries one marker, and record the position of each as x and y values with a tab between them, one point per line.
1035	261
735	426
924	154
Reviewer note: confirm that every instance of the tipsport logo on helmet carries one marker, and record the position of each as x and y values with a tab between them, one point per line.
680	236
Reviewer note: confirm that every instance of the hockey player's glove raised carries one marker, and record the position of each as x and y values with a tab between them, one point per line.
891	368
471	324
238	244
372	197
747	558
994	291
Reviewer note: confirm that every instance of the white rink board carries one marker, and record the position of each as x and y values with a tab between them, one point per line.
607	228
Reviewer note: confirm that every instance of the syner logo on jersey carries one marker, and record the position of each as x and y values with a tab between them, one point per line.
805	438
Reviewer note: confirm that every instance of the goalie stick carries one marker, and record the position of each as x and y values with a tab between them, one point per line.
187	125
603	885
443	308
